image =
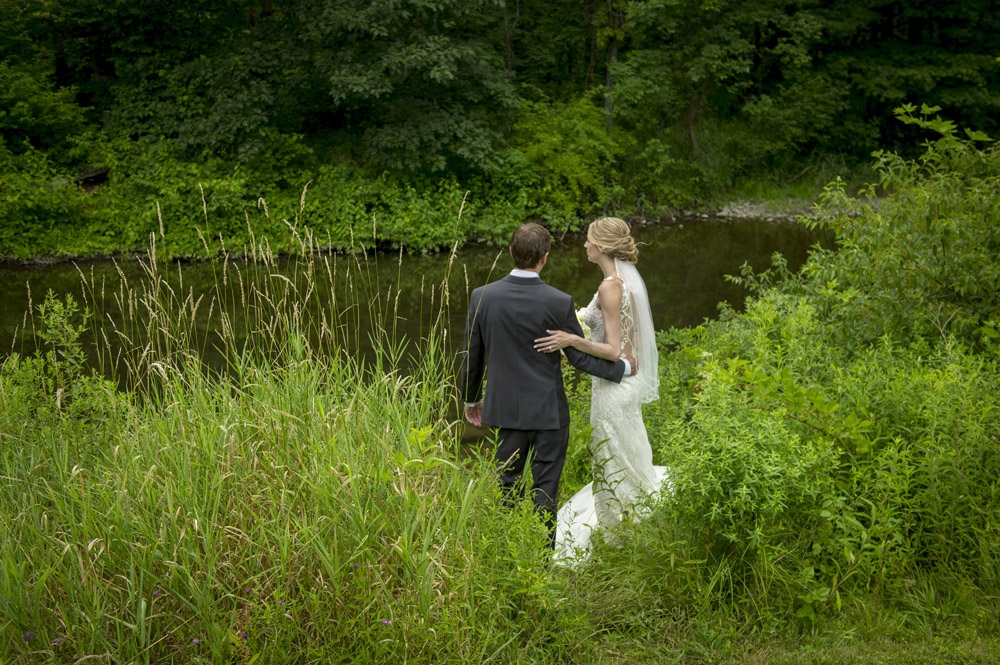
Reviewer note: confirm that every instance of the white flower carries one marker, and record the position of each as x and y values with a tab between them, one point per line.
583	324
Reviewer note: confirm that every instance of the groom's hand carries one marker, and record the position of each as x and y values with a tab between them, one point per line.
474	414
633	363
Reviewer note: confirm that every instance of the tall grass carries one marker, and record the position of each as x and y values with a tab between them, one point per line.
297	503
265	493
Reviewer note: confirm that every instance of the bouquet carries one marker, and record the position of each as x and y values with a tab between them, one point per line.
583	324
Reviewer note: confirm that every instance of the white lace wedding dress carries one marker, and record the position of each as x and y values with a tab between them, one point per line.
623	458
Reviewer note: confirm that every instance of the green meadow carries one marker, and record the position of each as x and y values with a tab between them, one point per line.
835	470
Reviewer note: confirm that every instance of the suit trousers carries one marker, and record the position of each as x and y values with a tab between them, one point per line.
547	450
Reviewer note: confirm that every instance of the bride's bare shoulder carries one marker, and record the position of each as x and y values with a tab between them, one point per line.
611	287
609	293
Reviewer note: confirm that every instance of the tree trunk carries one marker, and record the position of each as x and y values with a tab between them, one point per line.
509	25
616	19
589	13
609	83
692	114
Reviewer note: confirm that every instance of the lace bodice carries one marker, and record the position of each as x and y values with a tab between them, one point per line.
594	319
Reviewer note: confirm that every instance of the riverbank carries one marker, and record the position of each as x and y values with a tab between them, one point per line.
778	210
781	210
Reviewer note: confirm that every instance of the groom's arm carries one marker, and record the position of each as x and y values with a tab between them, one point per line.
605	369
470	379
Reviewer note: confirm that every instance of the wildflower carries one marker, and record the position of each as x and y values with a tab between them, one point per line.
156	592
356	565
195	640
58	641
247	591
243	634
281	602
29	635
386	622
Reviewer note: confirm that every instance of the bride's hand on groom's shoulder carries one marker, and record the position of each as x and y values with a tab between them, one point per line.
633	363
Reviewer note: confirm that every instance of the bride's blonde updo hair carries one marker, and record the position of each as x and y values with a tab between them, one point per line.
612	236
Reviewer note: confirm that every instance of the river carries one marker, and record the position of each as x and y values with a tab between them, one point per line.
684	265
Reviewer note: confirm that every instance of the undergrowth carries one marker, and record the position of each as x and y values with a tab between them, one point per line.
833	493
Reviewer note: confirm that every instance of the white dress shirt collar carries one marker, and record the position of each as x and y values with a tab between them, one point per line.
517	272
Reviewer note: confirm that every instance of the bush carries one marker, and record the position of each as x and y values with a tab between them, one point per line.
40	206
33	114
194	208
923	262
838	440
573	154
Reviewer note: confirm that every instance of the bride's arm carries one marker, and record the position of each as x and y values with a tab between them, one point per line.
609	299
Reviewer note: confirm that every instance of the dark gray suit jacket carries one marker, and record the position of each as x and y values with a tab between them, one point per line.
525	388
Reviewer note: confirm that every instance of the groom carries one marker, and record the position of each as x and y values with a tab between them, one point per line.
525	401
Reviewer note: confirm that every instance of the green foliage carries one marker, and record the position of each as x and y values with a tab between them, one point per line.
828	483
831	475
33	114
222	106
923	262
422	82
887	54
196	207
54	395
573	153
40	206
700	96
549	112
835	441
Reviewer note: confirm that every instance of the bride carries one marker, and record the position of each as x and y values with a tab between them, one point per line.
620	323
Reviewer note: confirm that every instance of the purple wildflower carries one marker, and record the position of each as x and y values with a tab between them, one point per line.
356	565
386	622
243	634
247	591
156	592
58	641
195	640
281	602
29	635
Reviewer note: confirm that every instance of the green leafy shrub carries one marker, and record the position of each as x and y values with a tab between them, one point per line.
923	262
572	152
838	439
33	114
802	472
194	208
54	395
40	206
152	191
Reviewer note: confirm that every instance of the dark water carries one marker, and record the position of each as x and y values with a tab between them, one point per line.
683	265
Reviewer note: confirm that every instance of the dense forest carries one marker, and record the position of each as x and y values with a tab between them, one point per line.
192	120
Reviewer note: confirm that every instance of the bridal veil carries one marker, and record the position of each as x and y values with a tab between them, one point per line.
644	335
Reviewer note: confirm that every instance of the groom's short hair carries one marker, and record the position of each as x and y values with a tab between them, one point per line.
529	244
